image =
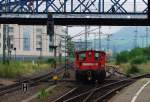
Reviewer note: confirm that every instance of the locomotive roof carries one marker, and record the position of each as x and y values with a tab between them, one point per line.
83	51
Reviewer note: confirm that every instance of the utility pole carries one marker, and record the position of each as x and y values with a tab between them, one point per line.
108	42
86	33
100	38
66	73
8	47
95	41
5	35
4	43
80	44
147	36
142	38
41	47
60	55
135	37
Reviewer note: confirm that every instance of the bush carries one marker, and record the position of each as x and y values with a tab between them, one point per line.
139	60
51	60
123	57
43	95
133	69
136	56
146	51
135	52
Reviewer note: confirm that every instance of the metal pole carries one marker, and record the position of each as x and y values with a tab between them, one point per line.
135	38
94	42
8	46
86	31
99	37
7	28
134	6
146	36
149	10
80	44
4	44
66	74
108	39
15	53
99	6
60	52
66	51
142	41
103	5
41	48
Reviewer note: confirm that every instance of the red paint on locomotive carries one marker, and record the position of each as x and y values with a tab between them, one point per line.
90	64
90	60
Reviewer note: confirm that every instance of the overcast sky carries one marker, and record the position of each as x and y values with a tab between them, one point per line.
104	29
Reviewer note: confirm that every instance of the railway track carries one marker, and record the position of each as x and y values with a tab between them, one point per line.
98	93
31	81
112	70
80	88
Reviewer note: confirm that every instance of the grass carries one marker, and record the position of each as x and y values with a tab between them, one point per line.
143	68
43	95
17	69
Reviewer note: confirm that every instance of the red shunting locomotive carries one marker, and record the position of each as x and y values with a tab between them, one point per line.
90	65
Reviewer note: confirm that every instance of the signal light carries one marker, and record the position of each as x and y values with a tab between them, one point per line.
50	26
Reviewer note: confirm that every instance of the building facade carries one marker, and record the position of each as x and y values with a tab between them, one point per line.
30	40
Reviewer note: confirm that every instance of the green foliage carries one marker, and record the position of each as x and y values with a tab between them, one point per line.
51	60
133	69
43	95
139	60
136	52
136	56
11	70
16	69
146	51
122	57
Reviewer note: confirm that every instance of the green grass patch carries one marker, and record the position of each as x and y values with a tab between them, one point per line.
43	95
17	69
133	69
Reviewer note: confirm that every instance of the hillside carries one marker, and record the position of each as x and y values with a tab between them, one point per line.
124	39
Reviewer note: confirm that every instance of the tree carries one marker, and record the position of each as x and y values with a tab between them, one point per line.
122	57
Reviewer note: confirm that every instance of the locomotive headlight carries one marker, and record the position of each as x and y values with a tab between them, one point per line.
89	78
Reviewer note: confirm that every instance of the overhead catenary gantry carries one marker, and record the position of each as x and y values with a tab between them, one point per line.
75	12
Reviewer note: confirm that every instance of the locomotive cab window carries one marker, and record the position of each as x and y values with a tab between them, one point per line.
82	56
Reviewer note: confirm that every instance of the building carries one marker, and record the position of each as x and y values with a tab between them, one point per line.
30	40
